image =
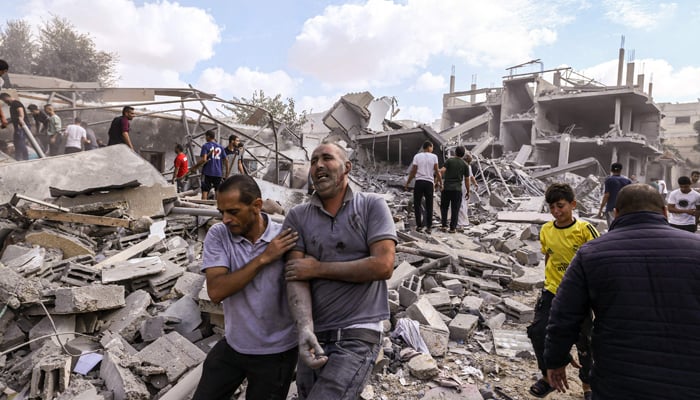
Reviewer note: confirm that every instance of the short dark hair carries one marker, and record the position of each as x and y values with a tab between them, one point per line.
232	138
427	144
4	65
559	191
616	167
695	173
179	147
32	107
5	96
639	197
684	180
210	134
127	109
460	151
78	120
247	188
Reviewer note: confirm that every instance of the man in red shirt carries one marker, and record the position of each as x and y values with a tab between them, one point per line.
181	169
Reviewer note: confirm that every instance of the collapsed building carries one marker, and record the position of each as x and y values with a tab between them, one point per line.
100	283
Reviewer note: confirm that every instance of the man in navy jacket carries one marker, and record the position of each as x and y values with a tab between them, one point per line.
642	281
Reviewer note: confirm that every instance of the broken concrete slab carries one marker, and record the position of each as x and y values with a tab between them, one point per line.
132	269
88	299
127	321
462	326
187	312
518	311
189	284
71	246
16	290
423	366
403	271
437	340
472	304
424	312
511	342
174	353
409	290
524	216
64	325
120	380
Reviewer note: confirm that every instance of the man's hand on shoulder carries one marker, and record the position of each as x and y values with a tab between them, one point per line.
301	269
281	244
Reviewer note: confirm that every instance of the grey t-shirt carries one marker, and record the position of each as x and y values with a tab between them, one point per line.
363	219
257	318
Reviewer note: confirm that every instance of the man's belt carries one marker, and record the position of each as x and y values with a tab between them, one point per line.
336	335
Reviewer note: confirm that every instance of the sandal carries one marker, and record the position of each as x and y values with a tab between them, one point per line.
541	389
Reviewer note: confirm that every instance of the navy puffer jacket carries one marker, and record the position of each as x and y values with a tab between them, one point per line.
642	281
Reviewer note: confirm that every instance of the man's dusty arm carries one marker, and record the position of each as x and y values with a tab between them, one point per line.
127	140
222	283
603	202
379	265
299	298
411	175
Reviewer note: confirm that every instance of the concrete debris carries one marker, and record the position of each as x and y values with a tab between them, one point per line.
117	256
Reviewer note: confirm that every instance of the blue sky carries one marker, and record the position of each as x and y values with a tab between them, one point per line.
315	51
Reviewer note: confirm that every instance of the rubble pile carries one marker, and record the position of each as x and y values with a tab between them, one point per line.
102	297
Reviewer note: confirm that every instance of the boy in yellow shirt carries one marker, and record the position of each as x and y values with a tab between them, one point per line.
560	240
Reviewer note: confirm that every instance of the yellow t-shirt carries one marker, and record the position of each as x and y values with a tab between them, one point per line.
561	244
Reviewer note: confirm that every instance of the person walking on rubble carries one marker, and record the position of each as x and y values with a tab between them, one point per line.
181	169
613	184
213	160
53	130
455	174
463	218
641	280
560	240
336	279
75	136
20	121
234	156
40	124
425	169
120	128
242	260
682	206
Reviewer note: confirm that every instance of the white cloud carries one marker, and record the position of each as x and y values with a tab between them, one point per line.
428	82
381	42
670	84
315	104
153	37
416	113
244	81
638	14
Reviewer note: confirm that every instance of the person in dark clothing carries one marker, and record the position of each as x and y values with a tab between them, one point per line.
455	171
120	128
641	281
613	184
41	124
20	122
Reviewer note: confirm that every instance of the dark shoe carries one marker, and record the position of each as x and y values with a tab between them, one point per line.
419	229
428	231
443	228
541	389
452	231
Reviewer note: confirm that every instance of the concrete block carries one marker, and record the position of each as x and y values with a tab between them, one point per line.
25	261
64	324
527	257
176	256
88	299
423	366
423	312
455	286
393	301
77	274
71	246
512	244
403	271
472	304
126	321
437	340
16	290
49	376
121	381
132	269
187	312
462	326
518	311
439	299
531	278
510	342
532	232
495	200
429	283
205	303
409	290
13	336
189	284
174	353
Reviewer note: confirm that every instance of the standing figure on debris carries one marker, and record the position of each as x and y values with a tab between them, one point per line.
643	290
234	156
213	160
682	206
463	219
20	121
560	240
613	184
244	269
53	130
425	169
455	174
181	168
695	180
91	137
40	123
75	136
3	70
336	279
120	128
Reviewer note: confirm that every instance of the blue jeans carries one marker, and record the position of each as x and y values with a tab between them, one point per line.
349	366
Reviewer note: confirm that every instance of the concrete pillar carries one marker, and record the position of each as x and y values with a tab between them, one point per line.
618	112
452	80
627	120
620	64
472	98
640	81
564	146
630	74
613	158
650	87
557	79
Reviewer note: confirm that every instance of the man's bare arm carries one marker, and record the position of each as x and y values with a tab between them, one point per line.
378	266
603	202
222	283
673	209
299	298
127	140
411	175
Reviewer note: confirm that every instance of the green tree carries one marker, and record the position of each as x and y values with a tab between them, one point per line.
67	54
281	110
17	46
